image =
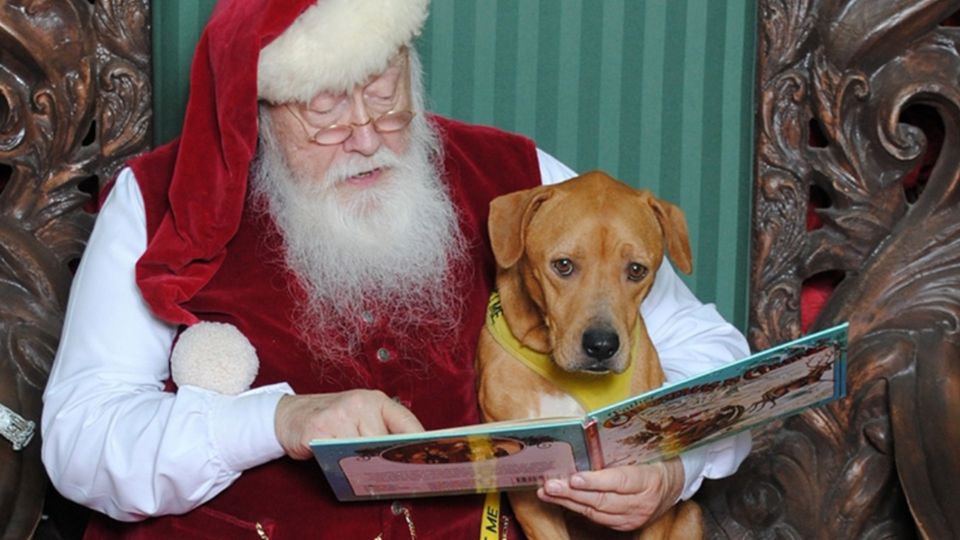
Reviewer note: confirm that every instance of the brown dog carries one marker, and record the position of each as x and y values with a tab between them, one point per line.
575	260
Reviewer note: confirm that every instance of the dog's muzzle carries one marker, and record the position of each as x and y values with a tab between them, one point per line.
600	344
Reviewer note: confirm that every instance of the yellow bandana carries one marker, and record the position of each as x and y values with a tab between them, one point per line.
591	391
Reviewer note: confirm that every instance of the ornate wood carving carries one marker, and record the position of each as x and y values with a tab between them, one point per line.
854	98
74	104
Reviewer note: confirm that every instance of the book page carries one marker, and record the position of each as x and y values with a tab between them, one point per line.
771	384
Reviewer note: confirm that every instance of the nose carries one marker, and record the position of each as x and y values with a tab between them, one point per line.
600	343
364	139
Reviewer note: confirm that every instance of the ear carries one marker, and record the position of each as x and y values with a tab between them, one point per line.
509	216
675	233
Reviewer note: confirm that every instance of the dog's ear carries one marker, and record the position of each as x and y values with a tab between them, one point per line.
676	236
509	216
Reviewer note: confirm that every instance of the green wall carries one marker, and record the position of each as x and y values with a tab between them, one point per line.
176	29
656	92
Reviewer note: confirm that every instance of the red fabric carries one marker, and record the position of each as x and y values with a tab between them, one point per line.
814	294
209	174
254	291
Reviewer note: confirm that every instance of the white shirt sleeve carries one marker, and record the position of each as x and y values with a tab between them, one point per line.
552	170
113	439
690	338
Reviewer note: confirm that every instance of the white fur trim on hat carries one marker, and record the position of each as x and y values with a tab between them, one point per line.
336	44
215	356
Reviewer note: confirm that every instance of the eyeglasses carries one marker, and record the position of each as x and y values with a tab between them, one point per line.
388	122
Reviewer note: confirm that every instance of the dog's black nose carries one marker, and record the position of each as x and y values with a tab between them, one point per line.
600	343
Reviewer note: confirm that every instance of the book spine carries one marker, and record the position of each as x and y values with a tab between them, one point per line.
592	437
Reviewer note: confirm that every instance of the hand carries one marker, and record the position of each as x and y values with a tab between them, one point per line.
354	413
621	498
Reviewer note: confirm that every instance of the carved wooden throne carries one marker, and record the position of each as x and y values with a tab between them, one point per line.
858	118
857	191
74	104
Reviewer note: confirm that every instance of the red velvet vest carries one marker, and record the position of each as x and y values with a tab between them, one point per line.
252	290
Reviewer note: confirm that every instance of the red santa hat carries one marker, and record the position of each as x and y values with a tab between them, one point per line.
275	50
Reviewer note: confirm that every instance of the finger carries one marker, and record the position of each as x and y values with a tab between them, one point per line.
634	479
617	521
608	502
323	428
399	419
371	424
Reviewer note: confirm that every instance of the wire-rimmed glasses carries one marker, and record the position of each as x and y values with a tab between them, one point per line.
390	121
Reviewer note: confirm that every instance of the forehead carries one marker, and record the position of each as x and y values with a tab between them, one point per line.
583	222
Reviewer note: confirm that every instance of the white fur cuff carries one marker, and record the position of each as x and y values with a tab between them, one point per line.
336	44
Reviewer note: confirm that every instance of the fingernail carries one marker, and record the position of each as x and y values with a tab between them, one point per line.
577	481
552	487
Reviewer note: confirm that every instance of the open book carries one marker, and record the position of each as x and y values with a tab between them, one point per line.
655	425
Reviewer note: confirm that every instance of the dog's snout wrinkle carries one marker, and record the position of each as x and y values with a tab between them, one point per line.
600	343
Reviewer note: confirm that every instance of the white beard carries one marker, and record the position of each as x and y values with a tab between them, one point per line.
393	249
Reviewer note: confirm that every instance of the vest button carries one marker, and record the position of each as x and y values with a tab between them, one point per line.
383	355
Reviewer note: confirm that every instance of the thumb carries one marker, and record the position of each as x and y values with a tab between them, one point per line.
399	419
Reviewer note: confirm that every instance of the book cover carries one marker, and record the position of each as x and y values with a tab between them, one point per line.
484	457
656	425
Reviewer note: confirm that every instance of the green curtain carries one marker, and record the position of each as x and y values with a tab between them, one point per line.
656	92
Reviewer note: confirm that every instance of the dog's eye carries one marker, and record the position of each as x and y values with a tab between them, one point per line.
636	271
563	267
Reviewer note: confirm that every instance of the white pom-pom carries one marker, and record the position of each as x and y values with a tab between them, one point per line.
215	356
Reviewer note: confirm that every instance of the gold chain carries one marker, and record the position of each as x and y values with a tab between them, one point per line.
406	515
398	509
